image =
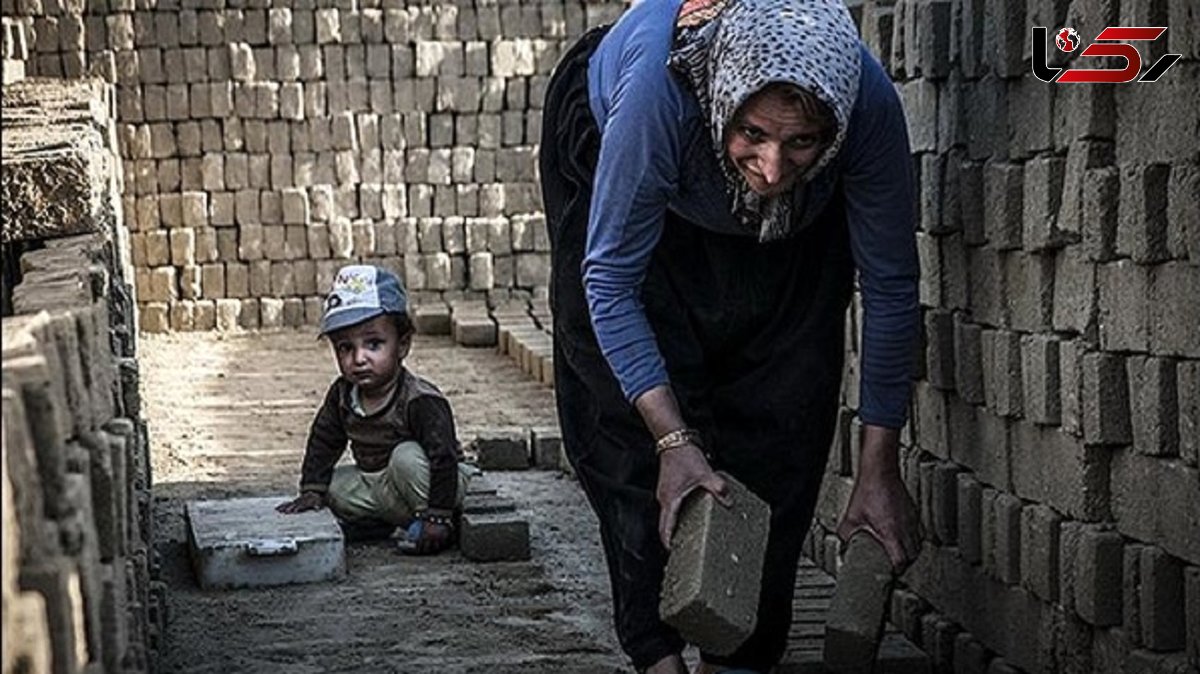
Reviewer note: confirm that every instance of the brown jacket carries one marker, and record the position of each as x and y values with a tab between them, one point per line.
417	411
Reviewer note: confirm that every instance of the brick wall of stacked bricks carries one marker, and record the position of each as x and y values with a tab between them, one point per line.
1055	429
79	575
267	143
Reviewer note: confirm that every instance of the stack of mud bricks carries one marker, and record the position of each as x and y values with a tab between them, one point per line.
79	587
14	43
267	143
1053	439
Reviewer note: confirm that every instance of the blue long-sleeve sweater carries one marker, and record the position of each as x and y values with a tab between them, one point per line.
655	154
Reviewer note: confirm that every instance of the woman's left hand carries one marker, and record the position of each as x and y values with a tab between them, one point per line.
880	503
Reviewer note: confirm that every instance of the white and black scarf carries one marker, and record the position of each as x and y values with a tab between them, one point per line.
728	50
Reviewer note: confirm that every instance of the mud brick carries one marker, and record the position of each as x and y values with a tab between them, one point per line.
970	656
980	440
1029	286
856	615
1082	156
986	119
1100	199
1183	217
58	581
499	449
930	285
1124	313
1142	213
1105	400
182	315
1174	311
1059	470
237	280
547	447
1154	413
189	282
1161	596
954	275
1096	573
481	274
1156	500
1042	192
1040	372
968	360
21	462
270	313
1002	372
228	314
1006	547
1039	551
709	595
944	502
1131	607
1070	383
492	537
1074	303
474	331
153	318
250	316
1030	120
986	286
1188	395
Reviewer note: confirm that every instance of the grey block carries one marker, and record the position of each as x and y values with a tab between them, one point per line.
712	580
1105	400
1006	548
494	537
1040	527
431	318
859	608
1154	405
1097	574
502	449
547	447
1161	597
970	518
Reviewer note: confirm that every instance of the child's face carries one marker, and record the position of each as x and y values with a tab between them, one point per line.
369	354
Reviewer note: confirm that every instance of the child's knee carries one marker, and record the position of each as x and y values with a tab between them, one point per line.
408	459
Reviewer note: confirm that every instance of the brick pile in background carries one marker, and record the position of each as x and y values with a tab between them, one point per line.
79	574
1053	440
266	144
14	46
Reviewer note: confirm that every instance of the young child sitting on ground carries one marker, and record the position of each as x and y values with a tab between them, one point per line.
407	469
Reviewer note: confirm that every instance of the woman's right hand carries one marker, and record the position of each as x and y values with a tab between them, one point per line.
681	470
309	500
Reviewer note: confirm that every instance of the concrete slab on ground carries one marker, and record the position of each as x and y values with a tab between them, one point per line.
245	542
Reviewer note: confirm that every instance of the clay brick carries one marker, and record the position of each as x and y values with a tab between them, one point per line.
1188	380
944	502
1174	311
1002	384
1098	570
489	537
939	350
1101	194
1043	192
228	314
1059	470
709	595
1003	204
1006	547
986	286
502	449
1074	292
981	441
856	615
547	447
1039	551
1070	386
969	507
1154	413
1040	371
1142	213
1029	287
968	360
1156	500
1191	619
1183	218
1105	400
1161	597
931	420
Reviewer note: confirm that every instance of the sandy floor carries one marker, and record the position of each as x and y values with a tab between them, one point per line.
228	417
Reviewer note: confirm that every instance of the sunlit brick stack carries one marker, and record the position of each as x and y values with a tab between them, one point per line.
79	588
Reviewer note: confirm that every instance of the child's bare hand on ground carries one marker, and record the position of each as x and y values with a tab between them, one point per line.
309	500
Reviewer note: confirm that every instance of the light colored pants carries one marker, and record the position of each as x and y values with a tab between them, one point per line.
393	494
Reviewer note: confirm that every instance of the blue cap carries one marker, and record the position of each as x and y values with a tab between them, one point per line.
360	293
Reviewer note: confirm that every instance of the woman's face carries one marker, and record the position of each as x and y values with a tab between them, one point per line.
772	142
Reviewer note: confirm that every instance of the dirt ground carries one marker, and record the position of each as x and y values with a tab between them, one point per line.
228	416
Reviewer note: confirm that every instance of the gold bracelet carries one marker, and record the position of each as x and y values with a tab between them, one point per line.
678	438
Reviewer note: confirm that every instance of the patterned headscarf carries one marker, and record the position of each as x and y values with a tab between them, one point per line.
728	50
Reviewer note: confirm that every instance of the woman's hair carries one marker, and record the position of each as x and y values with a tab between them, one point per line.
807	103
